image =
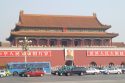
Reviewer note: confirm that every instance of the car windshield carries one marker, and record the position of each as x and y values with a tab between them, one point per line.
26	70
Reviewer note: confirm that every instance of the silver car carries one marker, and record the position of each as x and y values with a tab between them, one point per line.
92	71
112	71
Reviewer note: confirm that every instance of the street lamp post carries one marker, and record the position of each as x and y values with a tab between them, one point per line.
25	43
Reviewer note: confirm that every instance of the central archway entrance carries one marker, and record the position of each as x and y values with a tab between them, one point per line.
69	63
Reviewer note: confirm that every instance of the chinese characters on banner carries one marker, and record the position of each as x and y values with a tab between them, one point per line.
105	52
18	53
69	54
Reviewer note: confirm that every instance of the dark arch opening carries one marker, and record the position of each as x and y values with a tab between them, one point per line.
123	64
69	63
93	64
111	64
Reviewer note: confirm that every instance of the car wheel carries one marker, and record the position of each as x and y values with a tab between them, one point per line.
15	73
68	74
56	73
81	73
23	75
108	73
60	74
119	72
95	73
28	75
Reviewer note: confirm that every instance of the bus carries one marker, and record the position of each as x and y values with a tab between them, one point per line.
16	67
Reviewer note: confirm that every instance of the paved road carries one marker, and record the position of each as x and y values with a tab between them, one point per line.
66	79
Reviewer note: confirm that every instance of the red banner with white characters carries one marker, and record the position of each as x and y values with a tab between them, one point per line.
31	53
105	52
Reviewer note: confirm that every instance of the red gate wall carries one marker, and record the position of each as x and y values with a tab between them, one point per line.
57	58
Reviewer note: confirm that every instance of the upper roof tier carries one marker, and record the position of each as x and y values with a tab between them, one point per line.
63	34
38	20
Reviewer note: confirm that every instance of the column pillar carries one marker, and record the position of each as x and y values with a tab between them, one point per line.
102	42
92	42
37	40
16	42
111	42
69	43
40	42
48	42
82	42
13	42
58	42
72	42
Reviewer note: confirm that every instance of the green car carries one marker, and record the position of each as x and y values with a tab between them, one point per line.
63	69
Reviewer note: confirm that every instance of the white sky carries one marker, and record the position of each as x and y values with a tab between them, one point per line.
110	12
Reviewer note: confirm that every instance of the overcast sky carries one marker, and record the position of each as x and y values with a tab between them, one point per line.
110	12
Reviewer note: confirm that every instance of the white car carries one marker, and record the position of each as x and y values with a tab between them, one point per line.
113	71
2	73
92	71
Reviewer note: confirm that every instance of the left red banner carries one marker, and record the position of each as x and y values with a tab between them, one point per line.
19	53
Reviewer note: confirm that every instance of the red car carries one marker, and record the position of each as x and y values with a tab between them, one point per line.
31	73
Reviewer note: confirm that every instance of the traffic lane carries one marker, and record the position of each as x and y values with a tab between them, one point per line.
86	77
90	81
60	79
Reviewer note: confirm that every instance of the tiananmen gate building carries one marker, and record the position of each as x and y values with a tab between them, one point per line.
57	39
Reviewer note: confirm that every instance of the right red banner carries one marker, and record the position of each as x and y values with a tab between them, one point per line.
105	52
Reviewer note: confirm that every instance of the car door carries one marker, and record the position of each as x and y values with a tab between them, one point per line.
92	70
37	72
115	70
30	73
112	70
89	70
74	71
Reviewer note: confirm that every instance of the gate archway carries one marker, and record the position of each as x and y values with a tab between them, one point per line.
69	63
111	64
123	64
93	63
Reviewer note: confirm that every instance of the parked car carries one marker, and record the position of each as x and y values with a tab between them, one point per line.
112	70
8	73
123	70
92	71
4	73
63	69
103	69
76	70
32	72
54	72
